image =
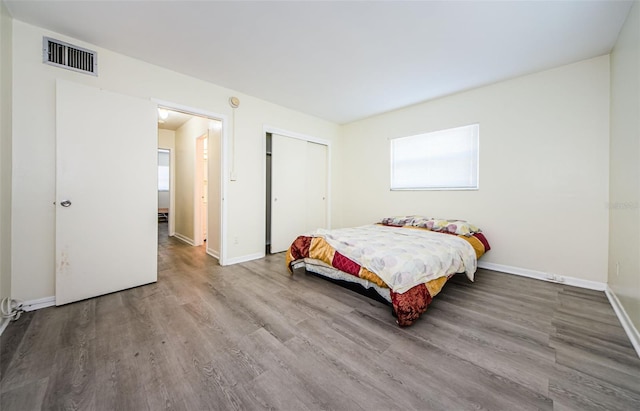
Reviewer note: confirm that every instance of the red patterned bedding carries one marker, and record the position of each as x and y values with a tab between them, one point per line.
408	302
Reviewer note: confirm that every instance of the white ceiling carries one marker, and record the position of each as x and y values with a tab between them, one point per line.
174	120
341	61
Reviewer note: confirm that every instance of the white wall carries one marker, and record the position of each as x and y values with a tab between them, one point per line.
5	150
34	148
543	168
167	141
624	210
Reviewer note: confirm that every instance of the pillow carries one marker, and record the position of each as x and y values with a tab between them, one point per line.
459	227
400	221
423	222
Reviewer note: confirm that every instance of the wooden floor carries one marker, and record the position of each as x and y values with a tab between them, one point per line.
250	336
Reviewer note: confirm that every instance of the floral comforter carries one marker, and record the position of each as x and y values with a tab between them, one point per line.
413	263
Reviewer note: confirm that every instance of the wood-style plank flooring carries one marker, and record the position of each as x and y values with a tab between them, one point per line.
251	336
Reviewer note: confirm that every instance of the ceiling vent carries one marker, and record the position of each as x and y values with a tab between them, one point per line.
65	55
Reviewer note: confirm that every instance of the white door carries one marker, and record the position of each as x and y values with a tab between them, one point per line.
316	186
106	192
288	198
214	186
200	184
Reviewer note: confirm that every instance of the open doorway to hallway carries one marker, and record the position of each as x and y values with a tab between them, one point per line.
194	195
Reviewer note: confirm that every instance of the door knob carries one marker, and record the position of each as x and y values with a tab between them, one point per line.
65	203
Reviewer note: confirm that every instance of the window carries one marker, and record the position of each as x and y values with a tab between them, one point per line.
163	170
441	160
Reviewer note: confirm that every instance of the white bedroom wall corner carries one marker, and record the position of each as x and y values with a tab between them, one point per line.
624	173
625	320
6	136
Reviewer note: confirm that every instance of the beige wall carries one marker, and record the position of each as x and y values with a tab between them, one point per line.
34	143
166	139
5	150
543	168
624	209
186	137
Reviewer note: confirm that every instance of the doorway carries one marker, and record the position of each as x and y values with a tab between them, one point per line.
196	139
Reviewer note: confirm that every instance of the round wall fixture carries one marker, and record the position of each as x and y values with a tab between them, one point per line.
234	102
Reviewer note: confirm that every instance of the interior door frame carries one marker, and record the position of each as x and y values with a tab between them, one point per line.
224	175
267	129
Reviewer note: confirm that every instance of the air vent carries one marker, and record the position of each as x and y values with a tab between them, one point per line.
61	54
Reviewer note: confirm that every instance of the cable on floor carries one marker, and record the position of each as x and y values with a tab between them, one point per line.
10	309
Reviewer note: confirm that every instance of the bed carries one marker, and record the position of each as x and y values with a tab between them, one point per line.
404	260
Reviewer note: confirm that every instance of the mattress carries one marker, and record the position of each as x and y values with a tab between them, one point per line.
405	265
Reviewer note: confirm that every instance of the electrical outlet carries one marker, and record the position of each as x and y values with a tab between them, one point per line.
617	268
235	240
234	176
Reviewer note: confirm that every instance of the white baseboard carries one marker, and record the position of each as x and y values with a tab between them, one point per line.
539	275
243	258
45	302
3	324
213	253
184	239
629	327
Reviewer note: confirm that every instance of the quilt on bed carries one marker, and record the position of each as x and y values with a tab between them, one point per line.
413	262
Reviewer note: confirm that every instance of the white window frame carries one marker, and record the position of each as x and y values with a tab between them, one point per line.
424	186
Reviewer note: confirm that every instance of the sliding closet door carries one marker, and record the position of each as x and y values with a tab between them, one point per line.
288	199
316	186
298	189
